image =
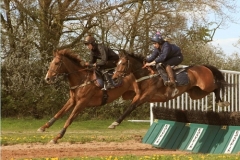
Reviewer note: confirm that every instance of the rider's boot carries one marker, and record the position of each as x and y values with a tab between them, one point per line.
171	83
107	83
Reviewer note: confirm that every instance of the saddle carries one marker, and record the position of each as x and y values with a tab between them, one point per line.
180	74
101	80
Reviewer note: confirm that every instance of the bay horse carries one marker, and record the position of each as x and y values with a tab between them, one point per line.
84	91
203	79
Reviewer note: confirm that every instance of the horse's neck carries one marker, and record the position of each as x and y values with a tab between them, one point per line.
78	75
137	70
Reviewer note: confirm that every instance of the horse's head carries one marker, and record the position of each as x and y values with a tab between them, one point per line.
123	66
65	63
56	69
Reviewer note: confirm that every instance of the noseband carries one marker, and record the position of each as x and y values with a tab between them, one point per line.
59	66
123	73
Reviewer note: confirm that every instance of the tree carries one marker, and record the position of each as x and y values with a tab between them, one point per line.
32	30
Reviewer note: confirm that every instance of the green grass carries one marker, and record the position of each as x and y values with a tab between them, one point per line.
17	131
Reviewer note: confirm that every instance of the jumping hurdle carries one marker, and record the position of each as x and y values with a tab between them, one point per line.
204	137
193	137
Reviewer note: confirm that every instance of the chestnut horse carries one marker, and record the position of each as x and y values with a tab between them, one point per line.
83	89
203	79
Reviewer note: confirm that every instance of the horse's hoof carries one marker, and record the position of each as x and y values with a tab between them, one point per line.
113	125
226	103
223	104
220	104
41	129
53	142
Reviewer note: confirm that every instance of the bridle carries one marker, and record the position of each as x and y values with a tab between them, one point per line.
58	74
123	73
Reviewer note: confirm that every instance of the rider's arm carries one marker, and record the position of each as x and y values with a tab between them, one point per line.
104	55
166	50
93	59
153	56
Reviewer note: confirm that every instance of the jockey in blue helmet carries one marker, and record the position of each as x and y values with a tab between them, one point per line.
167	54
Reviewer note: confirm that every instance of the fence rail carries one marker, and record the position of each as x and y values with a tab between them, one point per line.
232	95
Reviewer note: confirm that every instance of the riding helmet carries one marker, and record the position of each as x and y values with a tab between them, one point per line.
89	40
158	38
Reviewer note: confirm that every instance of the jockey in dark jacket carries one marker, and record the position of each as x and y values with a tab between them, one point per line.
167	54
106	57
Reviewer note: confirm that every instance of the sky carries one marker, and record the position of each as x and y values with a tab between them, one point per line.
228	35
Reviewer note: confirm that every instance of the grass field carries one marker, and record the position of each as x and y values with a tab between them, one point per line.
19	131
15	131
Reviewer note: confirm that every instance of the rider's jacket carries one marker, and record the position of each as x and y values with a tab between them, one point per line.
167	52
103	56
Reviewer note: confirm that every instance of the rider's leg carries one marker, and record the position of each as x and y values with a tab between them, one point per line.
172	90
107	84
169	71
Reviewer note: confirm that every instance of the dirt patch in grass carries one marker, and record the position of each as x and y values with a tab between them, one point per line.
77	150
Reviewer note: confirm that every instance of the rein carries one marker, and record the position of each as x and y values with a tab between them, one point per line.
146	77
66	74
82	85
123	73
77	71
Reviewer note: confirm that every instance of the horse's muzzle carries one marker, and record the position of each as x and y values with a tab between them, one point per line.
51	80
115	77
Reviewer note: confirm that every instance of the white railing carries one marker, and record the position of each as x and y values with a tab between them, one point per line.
183	102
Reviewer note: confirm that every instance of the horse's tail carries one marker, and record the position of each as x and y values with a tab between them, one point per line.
219	78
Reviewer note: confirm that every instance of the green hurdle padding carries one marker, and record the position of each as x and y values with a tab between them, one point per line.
193	137
162	134
228	140
199	137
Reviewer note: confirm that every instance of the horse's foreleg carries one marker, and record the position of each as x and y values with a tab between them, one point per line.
123	116
127	112
64	109
69	121
59	136
47	125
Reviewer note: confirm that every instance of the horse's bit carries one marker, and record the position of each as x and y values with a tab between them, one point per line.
123	73
59	66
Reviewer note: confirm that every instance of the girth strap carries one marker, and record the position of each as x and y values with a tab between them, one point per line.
104	97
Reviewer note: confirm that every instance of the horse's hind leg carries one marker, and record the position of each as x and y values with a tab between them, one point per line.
218	99
64	109
196	93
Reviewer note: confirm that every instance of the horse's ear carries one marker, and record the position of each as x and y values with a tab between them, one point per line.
55	51
122	53
82	63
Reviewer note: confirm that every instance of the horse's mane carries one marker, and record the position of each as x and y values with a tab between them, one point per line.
138	57
71	55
